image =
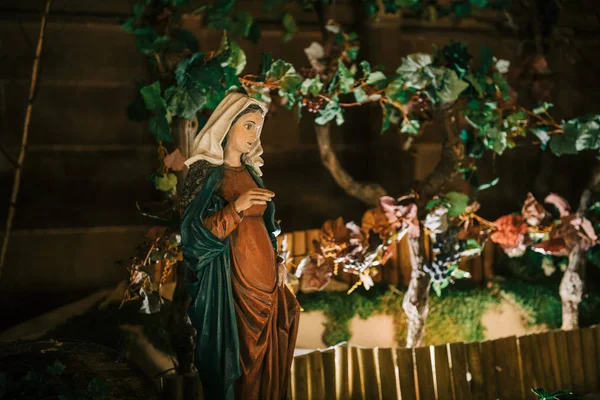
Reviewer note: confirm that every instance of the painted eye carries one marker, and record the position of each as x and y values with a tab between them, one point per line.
248	126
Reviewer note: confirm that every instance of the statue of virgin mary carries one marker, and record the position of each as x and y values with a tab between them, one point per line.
245	316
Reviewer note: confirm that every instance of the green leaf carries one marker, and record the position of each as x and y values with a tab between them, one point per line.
542	108
98	388
152	97
144	39
266	60
136	110
329	112
236	58
565	143
375	77
352	53
433	203
389	115
437	288
487	58
243	24
32	379
462	10
312	86
254	34
475	83
184	103
183	39
594	255
479	3
279	68
160	43
55	369
458	203
496	140
459	273
365	67
346	79
289	26
371	7
502	85
231	78
160	125
415	70
289	85
394	89
588	132
166	183
138	11
411	127
450	87
542	135
129	25
488	185
360	95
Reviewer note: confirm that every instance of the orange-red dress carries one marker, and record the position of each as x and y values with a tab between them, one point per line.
267	314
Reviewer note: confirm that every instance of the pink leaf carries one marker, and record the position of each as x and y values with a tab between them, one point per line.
560	203
555	247
175	161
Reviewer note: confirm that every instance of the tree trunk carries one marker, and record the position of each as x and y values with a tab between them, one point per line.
572	283
416	299
415	303
368	193
571	288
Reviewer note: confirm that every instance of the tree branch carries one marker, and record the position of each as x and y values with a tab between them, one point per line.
453	153
368	193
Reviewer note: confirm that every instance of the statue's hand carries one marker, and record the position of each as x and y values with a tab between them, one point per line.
281	274
252	197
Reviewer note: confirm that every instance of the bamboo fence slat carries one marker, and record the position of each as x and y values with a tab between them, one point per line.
387	374
508	373
357	386
369	373
458	358
590	360
316	376
488	362
424	373
526	350
576	360
300	384
329	373
563	358
476	370
406	367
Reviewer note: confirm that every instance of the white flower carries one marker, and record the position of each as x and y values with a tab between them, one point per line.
314	53
502	66
548	266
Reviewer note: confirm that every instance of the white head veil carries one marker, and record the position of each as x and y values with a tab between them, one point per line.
208	144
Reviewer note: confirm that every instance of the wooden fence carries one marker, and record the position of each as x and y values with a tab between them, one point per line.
398	269
505	369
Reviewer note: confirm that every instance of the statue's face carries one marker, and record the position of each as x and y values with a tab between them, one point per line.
244	133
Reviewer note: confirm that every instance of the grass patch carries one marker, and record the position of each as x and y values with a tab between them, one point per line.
455	316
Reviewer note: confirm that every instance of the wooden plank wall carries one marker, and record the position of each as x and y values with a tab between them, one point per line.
505	369
397	270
